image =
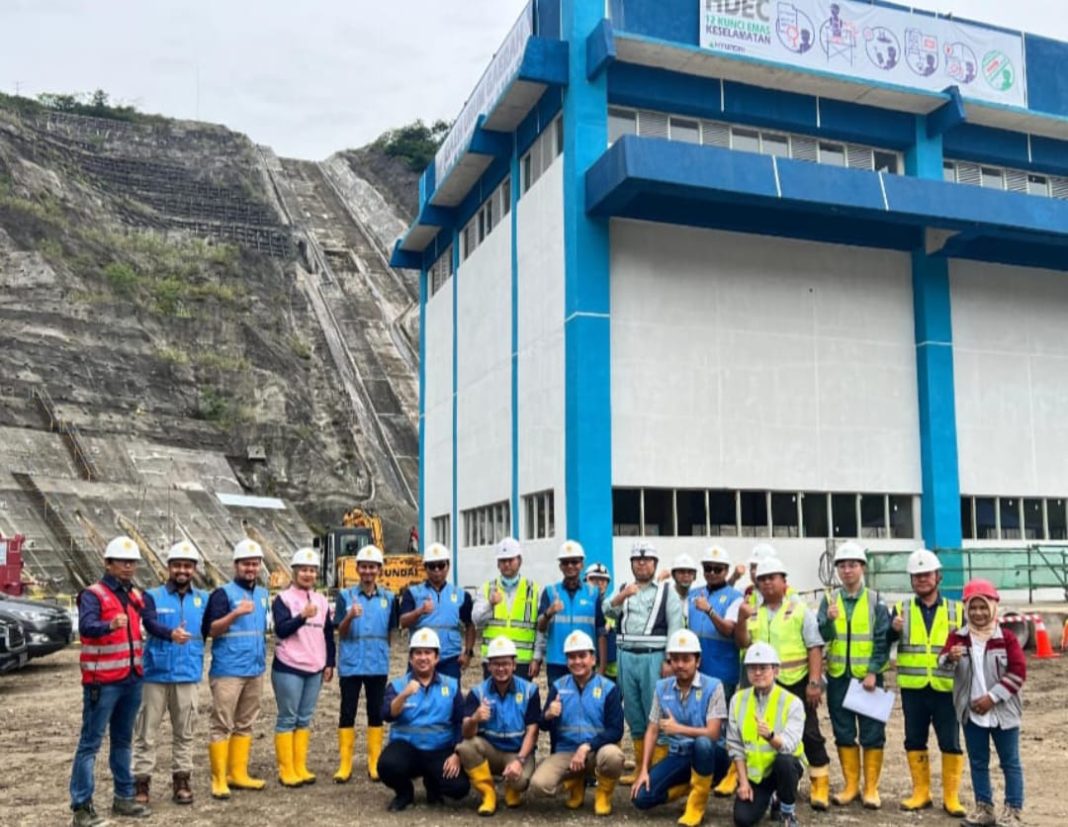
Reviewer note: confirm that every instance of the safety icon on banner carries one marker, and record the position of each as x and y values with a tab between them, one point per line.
921	52
838	37
794	28
961	64
998	71
882	47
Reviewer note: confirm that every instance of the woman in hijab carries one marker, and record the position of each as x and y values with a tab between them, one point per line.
988	673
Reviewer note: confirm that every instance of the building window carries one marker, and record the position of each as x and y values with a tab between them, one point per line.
844	515
745	140
902	523
772	143
872	515
441	529
832	154
1005	178
1034	521
886	162
658	512
1009	518
986	521
753	511
621	122
967	519
1057	519
626	512
949	172
992	178
723	513
690	513
784	516
1037	185
685	130
540	517
441	271
487	524
814	515
548	145
559	131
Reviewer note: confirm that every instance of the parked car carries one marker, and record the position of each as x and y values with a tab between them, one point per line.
47	627
13	650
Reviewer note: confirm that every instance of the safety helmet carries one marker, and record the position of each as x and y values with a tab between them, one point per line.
508	548
717	555
122	548
850	551
436	553
247	549
597	570
569	550
922	561
370	554
183	550
684	642
771	565
761	551
643	551
761	652
304	557
500	647
578	642
424	639
683	562
980	588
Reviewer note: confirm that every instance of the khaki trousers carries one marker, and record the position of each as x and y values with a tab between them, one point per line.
178	699
235	706
554	770
473	751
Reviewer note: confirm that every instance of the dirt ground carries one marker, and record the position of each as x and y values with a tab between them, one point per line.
40	717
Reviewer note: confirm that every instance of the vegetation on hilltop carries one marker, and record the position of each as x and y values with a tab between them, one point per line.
89	104
415	144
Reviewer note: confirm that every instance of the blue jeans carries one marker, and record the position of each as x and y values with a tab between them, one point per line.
114	711
1007	743
708	758
296	696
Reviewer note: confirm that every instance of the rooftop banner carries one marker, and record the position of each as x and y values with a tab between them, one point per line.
870	43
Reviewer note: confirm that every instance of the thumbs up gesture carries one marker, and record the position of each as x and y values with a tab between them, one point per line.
310	610
428	606
629	590
832	610
245	607
484	711
558	606
180	635
355	610
496	596
668	725
553	710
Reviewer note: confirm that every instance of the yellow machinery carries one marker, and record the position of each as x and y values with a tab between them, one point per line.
359	528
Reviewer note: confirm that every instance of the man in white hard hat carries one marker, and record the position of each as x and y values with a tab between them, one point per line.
236	622
174	667
764	732
570	606
369	614
584	718
425	711
109	625
444	607
598	576
501	717
920	626
759	553
689	710
854	622
507	606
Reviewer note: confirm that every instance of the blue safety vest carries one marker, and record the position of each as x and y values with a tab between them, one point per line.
445	619
582	712
169	662
580	613
426	720
365	649
693	711
507	724
241	651
719	655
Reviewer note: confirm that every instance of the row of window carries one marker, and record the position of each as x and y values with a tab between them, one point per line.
1002	178
682	512
441	271
539	512
623	121
487	524
488	216
441	528
540	156
1013	518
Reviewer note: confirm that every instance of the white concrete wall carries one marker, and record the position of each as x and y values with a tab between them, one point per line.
1010	364
437	470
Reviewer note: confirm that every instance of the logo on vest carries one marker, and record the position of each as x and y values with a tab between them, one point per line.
382	602
263	602
454	597
697	694
597	692
519	697
445	691
197	601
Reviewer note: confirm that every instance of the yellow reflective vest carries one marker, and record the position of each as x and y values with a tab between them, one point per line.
784	632
853	641
759	754
917	652
515	619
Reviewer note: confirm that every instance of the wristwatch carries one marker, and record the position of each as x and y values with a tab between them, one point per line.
470	653
816	685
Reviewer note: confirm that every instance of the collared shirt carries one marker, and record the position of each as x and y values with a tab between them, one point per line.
790	735
89	622
640	605
810	629
613	718
926	612
546	601
717	707
150	617
531	715
219	606
456	718
482	613
408	603
880	653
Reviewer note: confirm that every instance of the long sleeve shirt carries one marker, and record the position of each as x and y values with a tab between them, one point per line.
611	732
150	616
482	614
287	624
640	605
548	595
89	622
219	606
880	655
790	734
456	716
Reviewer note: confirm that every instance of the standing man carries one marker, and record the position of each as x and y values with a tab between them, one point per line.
760	553
584	719
236	622
683	573
791	628
648	614
570	606
921	625
854	621
507	606
174	666
500	730
439	605
368	615
598	576
109	626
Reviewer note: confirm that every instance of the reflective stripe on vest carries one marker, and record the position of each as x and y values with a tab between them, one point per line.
426	720
691	711
515	619
365	649
241	651
917	652
110	657
581	711
506	727
654	634
579	614
444	619
719	654
759	754
853	641
169	662
785	633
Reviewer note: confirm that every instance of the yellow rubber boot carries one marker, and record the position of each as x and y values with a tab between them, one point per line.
678	791
346	740
301	740
873	768
952	771
639	754
728	784
920	770
374	750
576	792
218	752
819	787
283	753
512	798
237	765
700	788
849	757
602	796
660	752
482	781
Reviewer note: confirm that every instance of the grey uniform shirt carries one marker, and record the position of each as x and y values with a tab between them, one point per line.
482	612
640	605
717	707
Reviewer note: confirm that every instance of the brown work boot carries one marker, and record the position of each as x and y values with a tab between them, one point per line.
141	785
183	793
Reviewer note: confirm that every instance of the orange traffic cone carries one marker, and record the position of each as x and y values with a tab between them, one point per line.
1043	648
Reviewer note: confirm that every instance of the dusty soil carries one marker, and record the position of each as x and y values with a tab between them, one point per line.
40	716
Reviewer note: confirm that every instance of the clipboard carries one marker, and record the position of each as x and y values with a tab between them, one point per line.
877	704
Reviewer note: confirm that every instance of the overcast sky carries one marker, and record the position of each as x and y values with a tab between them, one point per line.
307	77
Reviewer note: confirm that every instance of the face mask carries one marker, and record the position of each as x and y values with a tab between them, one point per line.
510	582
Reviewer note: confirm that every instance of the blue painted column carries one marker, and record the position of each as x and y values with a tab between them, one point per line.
424	292
513	214
587	333
934	373
455	397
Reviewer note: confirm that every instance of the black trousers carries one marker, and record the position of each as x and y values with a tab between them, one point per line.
924	708
401	763
350	699
815	746
785	774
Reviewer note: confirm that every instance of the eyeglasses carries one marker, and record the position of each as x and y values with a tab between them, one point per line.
709	567
576	562
436	566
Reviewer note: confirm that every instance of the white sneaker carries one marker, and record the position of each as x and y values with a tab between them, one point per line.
1010	817
981	815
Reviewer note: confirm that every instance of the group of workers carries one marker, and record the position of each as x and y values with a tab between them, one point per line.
718	687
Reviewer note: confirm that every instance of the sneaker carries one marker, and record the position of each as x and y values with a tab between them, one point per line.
129	808
788	819
399	803
1010	817
85	816
981	815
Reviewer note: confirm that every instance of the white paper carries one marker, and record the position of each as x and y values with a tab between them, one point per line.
877	704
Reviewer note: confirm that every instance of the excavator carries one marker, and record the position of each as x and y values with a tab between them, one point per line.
338	546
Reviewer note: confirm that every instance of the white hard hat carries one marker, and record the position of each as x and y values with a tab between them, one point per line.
508	548
643	551
683	562
761	652
304	557
570	549
772	565
247	549
761	551
122	548
183	550
424	639
717	555
578	642
437	553
922	561
684	642
370	554
597	570
850	551
500	647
